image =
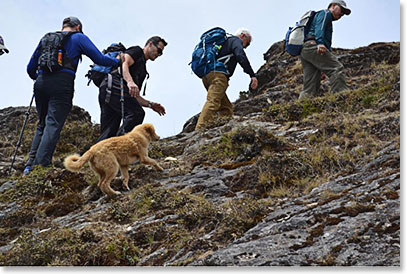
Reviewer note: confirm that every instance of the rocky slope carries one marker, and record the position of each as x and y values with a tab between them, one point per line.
285	182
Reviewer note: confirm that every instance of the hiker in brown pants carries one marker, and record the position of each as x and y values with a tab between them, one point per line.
216	83
316	55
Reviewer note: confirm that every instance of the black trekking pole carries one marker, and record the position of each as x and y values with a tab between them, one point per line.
27	114
121	88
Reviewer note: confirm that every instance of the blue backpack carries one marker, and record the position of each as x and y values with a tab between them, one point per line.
204	55
295	36
97	73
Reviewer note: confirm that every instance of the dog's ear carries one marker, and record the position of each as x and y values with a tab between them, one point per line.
149	128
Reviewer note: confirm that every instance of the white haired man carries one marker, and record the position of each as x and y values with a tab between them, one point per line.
216	83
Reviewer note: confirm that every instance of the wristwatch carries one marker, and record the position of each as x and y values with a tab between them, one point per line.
150	105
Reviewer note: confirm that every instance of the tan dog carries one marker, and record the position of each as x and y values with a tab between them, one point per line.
108	155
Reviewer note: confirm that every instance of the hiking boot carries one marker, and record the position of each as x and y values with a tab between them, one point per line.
27	170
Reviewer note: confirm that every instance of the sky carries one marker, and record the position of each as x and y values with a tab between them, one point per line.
180	23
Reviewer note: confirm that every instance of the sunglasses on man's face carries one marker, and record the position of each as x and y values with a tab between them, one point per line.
159	50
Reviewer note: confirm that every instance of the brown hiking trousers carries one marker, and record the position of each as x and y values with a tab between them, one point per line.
313	64
217	102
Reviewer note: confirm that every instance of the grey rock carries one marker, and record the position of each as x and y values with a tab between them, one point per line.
7	186
348	230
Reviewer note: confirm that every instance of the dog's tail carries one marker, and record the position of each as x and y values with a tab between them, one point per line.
75	162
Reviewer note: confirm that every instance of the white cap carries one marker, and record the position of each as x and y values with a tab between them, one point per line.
343	6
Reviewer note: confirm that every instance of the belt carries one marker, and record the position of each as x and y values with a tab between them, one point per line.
309	38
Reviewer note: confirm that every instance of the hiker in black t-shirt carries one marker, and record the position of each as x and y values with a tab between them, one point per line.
134	72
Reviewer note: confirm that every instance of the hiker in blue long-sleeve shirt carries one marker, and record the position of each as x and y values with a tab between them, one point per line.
316	55
53	66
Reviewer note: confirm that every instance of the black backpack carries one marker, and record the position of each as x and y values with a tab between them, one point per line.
97	73
53	56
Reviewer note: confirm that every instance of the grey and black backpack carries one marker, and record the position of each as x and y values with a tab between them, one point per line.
53	56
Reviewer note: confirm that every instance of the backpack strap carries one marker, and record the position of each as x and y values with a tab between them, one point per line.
226	58
68	62
69	33
145	84
109	88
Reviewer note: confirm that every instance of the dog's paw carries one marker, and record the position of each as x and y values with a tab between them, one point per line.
117	193
113	195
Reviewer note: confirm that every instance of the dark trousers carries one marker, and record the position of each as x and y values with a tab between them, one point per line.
111	112
53	99
313	64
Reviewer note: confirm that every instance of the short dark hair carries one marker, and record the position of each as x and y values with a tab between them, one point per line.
156	40
72	21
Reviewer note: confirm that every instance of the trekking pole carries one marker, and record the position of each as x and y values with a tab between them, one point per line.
121	88
27	114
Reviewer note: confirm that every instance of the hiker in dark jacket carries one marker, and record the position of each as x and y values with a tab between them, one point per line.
134	74
217	82
54	90
316	56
